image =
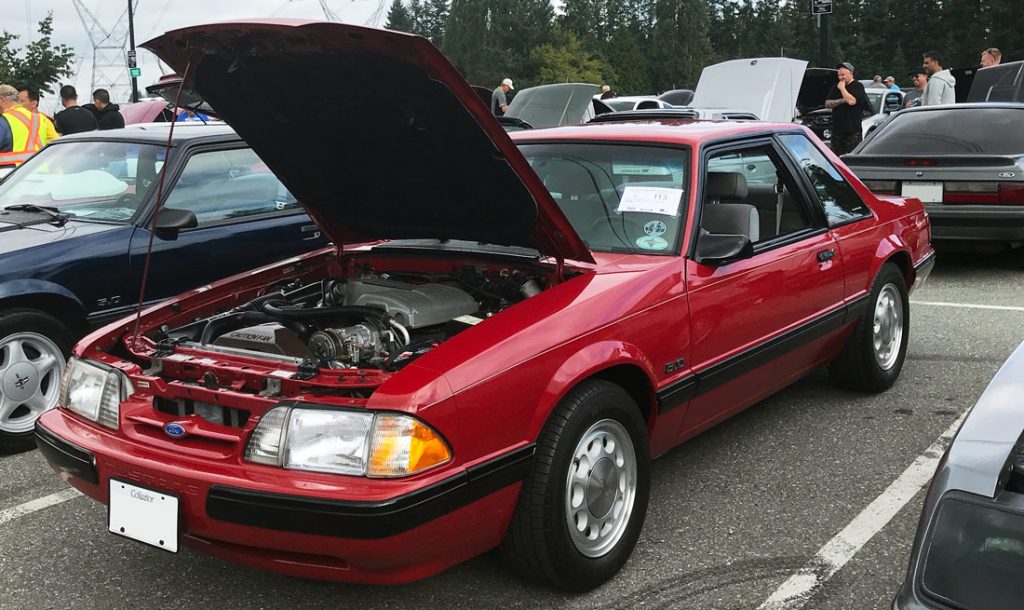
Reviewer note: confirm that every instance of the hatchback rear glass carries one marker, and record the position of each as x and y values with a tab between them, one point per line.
955	131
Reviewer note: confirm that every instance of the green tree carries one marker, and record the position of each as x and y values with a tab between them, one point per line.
681	47
628	63
41	63
433	18
399	18
567	63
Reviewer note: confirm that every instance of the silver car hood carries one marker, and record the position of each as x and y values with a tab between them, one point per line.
767	86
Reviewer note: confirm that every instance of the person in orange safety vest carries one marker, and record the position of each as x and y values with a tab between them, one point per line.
28	97
25	128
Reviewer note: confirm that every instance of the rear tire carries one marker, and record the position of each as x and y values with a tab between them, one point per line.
583	504
33	353
874	354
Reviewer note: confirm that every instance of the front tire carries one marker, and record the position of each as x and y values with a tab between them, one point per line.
582	506
33	351
874	354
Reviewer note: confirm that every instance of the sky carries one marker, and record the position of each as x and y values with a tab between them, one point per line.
153	17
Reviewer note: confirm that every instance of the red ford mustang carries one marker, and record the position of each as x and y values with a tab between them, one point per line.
503	337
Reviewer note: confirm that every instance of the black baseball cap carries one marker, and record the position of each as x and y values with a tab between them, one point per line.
846	65
918	70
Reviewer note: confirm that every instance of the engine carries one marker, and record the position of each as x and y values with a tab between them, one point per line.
380	321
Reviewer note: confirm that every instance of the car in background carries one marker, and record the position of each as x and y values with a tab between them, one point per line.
635	102
554	105
677	97
1001	83
883	102
76	221
969	547
964	161
508	329
147	111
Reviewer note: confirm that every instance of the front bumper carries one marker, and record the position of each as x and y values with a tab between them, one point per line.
922	270
241	514
1001	223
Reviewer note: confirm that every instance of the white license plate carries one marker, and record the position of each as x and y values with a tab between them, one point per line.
143	514
928	192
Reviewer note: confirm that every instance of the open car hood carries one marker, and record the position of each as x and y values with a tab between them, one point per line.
167	88
1002	83
765	86
555	105
816	84
388	142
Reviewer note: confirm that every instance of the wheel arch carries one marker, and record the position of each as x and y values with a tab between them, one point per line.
47	297
615	361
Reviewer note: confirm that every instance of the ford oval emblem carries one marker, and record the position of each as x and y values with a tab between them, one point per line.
174	430
1007	174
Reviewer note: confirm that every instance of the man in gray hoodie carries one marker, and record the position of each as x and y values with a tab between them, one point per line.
941	87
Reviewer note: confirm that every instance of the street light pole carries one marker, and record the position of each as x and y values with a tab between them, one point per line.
131	51
823	24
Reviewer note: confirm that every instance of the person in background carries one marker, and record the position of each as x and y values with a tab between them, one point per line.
28	96
188	116
74	118
108	115
24	127
876	83
499	98
913	97
991	57
890	82
848	102
607	93
941	88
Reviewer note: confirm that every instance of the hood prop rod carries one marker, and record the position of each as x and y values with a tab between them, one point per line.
156	207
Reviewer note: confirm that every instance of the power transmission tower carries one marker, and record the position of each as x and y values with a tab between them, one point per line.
375	17
109	60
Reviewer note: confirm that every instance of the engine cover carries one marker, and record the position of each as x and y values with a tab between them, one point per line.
412	305
268	338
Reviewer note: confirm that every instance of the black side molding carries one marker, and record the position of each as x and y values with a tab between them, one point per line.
702	382
367	520
66	457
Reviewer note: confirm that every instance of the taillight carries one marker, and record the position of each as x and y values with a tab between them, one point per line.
1011	192
920	162
883	187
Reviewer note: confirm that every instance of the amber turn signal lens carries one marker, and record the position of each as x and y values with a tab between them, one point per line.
402	445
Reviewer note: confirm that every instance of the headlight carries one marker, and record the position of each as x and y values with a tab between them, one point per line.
94	391
341	441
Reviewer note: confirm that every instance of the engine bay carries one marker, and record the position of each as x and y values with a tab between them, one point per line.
376	320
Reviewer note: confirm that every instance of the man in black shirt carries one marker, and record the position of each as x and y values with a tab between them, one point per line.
74	118
849	103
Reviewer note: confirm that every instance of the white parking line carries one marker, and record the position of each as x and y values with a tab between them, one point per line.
796	591
10	514
968	306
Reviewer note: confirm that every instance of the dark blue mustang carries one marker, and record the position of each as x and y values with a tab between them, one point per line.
75	227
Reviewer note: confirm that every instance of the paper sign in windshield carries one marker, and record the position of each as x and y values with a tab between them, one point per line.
651	200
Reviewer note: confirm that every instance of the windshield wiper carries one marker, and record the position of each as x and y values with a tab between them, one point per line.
55	215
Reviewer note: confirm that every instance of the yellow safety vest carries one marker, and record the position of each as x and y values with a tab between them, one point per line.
25	127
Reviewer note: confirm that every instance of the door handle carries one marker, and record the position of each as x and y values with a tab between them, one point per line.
826	255
315	230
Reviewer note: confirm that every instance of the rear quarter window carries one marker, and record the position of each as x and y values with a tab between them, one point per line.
998	131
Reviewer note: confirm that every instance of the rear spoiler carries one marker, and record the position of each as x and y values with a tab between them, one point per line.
924	160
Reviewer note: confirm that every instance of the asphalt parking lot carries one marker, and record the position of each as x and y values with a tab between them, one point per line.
734	513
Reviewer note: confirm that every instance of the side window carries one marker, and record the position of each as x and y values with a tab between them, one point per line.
749	192
838	199
224	185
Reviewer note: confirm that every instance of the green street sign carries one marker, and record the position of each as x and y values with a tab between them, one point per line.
135	72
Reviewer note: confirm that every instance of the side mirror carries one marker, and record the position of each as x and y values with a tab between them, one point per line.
170	222
715	249
892	103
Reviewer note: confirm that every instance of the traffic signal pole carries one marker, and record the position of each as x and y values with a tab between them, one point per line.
131	51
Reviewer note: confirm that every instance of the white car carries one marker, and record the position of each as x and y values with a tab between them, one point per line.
635	102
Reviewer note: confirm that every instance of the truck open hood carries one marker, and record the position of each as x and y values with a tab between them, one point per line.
373	131
766	86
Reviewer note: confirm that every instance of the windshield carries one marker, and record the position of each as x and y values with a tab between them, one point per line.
876	100
996	131
628	199
104	181
619	105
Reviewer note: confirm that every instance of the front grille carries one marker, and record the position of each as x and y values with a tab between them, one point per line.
217	414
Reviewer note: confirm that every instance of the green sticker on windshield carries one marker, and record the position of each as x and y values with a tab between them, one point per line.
651	242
